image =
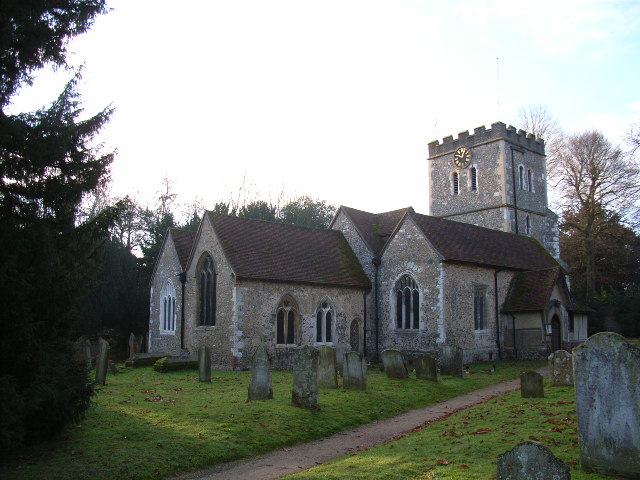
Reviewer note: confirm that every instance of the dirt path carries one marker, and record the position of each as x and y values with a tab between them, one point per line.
300	457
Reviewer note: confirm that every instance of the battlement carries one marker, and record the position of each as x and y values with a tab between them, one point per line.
498	131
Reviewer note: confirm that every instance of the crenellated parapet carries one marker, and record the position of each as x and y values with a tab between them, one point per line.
482	135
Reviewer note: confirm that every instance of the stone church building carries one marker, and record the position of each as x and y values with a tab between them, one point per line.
482	271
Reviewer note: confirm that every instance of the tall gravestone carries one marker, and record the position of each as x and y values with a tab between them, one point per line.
394	364
560	368
327	371
204	364
87	353
341	350
305	378
132	344
531	461
451	361
260	387
354	371
607	380
102	363
531	385
426	367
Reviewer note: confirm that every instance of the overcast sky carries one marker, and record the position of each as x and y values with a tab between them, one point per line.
337	99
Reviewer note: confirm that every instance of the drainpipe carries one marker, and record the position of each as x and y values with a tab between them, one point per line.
513	175
376	263
183	280
497	308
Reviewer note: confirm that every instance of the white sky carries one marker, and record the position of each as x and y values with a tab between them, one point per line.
337	99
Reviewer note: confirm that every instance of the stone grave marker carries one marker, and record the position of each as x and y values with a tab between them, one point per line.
531	385
260	387
393	364
354	372
451	361
204	364
531	461
560	368
305	378
132	344
102	363
327	371
87	353
426	367
341	350
606	371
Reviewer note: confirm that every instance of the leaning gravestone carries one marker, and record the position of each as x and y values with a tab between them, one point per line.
606	370
451	361
531	460
305	378
393	364
426	367
204	364
531	385
560	368
341	350
260	387
354	372
327	373
102	363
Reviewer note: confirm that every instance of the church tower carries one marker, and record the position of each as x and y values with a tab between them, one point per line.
494	178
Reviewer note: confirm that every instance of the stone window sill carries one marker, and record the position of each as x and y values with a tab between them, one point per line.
204	328
406	330
168	334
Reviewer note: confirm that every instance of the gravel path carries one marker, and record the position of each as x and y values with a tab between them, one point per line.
301	457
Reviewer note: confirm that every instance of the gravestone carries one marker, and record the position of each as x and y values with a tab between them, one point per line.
341	350
451	361
305	378
354	373
204	364
260	387
327	372
87	353
393	364
531	385
426	367
560	368
102	363
132	344
531	461
606	371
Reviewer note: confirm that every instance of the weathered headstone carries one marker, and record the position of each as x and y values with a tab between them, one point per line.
327	372
531	461
204	364
426	367
393	364
341	350
260	387
560	368
102	363
606	370
354	372
87	353
112	367
132	344
451	361
531	385
305	378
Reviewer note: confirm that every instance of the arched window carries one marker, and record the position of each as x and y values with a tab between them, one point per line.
527	226
286	323
480	308
455	179
407	304
473	179
529	180
324	323
207	291
521	176
168	308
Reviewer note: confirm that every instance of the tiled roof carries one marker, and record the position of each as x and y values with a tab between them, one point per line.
286	253
183	241
531	291
376	228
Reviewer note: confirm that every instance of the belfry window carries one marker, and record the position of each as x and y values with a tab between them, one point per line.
473	179
529	180
455	179
521	176
168	308
286	323
407	304
207	292
324	323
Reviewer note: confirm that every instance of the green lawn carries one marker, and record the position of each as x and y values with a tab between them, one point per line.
149	425
465	445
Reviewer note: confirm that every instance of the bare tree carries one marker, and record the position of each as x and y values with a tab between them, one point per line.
633	138
536	119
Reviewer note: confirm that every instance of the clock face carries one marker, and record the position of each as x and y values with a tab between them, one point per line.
462	157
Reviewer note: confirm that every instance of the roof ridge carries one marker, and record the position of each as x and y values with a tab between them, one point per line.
269	222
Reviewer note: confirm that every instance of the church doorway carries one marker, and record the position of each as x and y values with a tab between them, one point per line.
556	334
354	336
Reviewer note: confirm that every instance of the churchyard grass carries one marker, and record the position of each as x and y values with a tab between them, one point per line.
149	425
465	445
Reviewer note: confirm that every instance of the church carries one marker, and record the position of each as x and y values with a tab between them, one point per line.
481	271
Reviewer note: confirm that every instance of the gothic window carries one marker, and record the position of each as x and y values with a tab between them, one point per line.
324	323
207	291
455	178
286	323
407	304
168	308
473	179
521	176
527	226
529	180
480	308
